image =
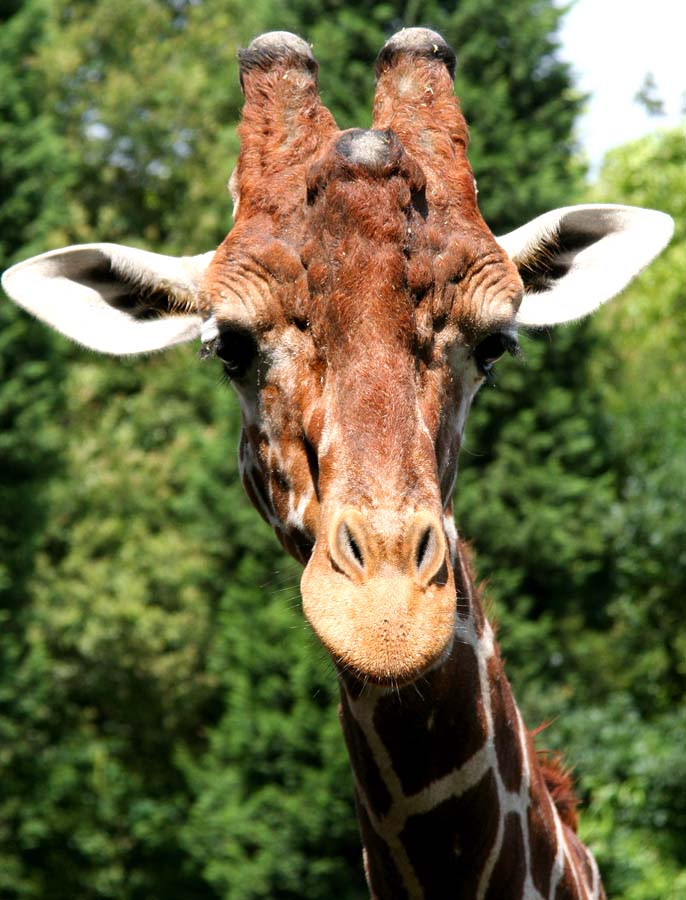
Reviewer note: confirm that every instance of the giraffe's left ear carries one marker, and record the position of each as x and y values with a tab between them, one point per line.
111	298
573	259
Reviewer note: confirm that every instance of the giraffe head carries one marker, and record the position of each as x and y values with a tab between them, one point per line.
357	305
372	299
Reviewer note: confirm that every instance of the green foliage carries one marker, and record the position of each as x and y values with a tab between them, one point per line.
634	776
32	181
650	439
642	830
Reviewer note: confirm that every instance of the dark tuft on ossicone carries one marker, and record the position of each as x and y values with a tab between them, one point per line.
419	42
274	48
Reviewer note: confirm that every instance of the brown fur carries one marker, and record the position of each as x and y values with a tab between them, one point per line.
558	779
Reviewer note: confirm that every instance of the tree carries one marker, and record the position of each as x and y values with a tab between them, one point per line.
33	181
642	821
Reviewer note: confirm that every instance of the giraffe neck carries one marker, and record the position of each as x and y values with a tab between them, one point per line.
451	798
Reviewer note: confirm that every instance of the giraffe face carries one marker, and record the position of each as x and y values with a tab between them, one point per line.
356	342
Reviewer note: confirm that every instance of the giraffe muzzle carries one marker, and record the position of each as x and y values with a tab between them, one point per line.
380	595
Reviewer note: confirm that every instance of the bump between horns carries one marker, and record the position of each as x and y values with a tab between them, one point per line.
367	148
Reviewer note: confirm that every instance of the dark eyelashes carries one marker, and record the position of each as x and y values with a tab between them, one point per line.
512	346
236	348
491	348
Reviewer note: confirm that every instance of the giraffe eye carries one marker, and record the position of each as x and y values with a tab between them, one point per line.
489	351
236	348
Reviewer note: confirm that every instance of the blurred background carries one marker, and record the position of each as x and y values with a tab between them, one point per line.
168	724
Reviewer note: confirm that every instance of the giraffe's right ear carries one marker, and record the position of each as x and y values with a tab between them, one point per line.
110	298
573	259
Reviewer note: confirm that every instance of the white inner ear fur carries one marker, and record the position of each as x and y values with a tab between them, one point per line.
110	298
582	256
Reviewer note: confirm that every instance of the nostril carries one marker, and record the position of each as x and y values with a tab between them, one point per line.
429	549
347	545
353	546
423	547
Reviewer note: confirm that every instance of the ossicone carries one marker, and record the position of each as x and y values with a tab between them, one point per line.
276	48
418	42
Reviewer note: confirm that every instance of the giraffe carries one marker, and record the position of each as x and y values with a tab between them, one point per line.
357	305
